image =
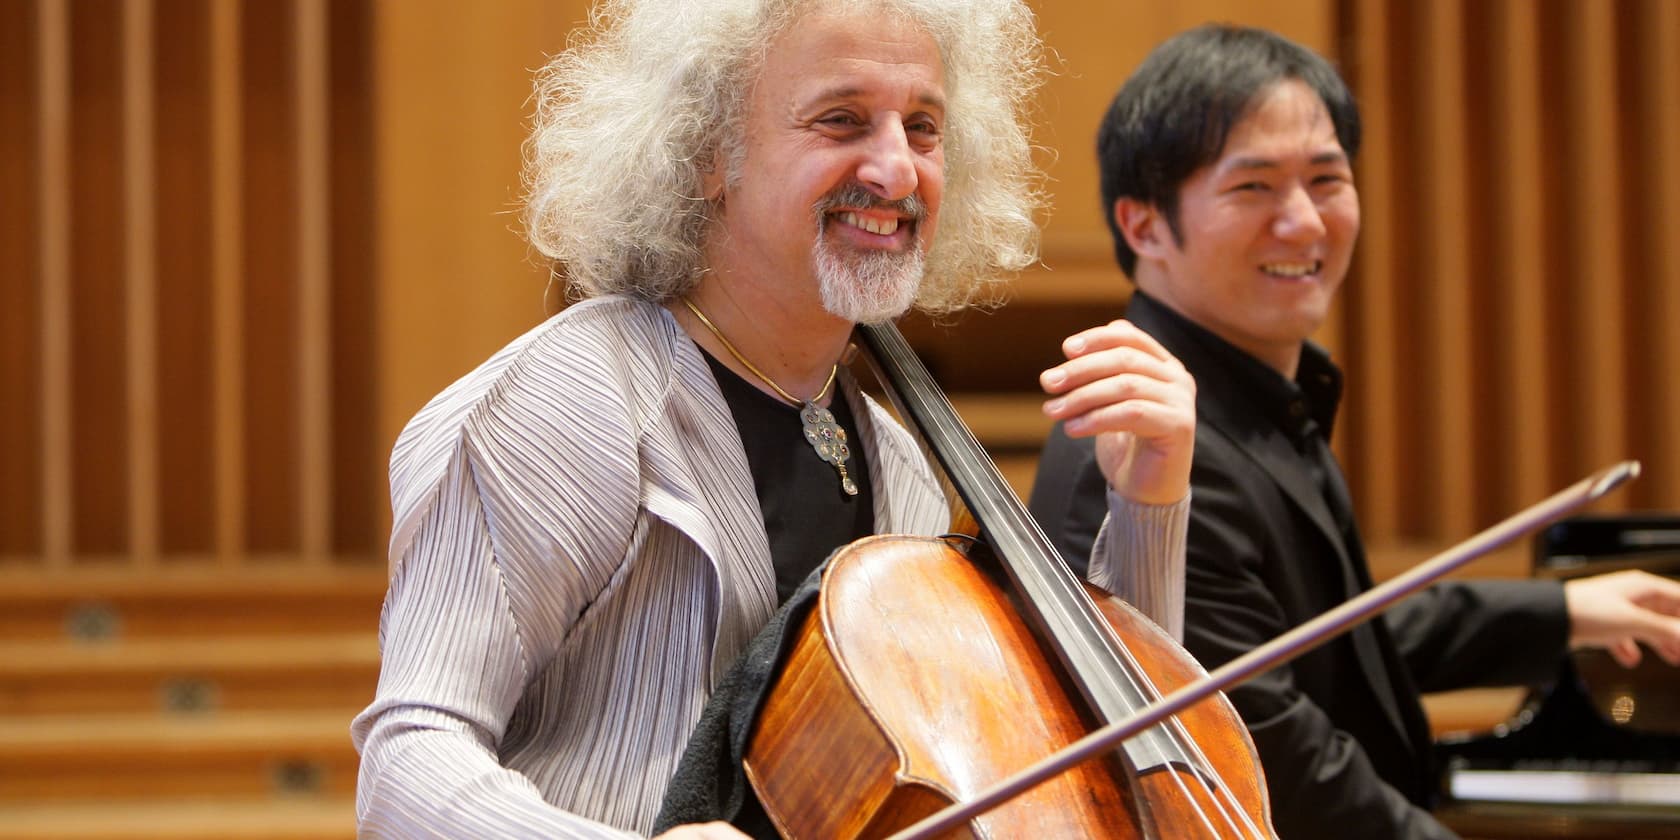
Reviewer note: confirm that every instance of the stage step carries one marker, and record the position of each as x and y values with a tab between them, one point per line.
188	674
292	818
184	702
247	754
94	605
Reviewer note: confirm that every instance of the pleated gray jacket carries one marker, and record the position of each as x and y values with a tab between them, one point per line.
577	555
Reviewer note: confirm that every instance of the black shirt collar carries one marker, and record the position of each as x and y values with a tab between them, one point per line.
1300	408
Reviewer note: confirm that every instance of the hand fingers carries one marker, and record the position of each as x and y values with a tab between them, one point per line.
1121	333
1652	592
1661	633
1129	402
1625	652
1146	421
1109	362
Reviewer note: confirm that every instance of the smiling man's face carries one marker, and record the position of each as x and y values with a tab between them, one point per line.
1266	232
841	179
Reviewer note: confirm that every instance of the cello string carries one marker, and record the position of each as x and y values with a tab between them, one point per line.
991	484
1194	759
1223	797
1177	734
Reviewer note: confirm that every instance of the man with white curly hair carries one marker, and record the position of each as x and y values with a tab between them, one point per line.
593	525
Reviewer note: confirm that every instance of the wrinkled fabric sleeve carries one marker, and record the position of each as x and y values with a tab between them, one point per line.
1138	554
455	660
513	494
1133	550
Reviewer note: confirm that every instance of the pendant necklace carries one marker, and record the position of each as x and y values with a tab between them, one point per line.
824	435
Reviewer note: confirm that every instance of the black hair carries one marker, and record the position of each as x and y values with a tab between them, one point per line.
1174	114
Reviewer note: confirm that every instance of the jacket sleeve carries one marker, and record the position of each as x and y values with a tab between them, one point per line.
1320	780
1135	551
1480	633
495	499
455	660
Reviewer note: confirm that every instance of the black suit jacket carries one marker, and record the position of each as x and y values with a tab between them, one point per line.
1340	731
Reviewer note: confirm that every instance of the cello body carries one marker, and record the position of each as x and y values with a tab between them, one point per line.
915	683
920	680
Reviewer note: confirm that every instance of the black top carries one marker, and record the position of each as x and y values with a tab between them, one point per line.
806	513
1272	543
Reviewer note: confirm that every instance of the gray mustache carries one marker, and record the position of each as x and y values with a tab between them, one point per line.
855	195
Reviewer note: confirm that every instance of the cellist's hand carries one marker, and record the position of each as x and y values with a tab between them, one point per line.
1122	387
704	831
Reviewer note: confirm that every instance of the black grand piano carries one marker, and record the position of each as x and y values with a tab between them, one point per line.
1596	752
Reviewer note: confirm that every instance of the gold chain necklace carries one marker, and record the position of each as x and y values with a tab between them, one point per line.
821	431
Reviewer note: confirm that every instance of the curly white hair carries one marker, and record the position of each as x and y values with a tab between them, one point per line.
651	94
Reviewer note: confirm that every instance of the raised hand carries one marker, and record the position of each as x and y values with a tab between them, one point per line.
1122	387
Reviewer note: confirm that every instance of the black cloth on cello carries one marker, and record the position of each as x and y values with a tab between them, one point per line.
805	515
710	783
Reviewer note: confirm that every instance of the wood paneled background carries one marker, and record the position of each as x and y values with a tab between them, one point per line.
243	242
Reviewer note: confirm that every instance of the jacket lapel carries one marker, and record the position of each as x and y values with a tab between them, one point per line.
1277	457
696	478
908	499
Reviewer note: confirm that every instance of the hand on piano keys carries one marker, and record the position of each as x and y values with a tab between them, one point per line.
1619	610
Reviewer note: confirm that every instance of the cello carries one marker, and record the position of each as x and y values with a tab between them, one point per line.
936	683
936	674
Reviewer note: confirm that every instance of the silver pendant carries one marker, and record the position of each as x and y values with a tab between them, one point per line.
829	440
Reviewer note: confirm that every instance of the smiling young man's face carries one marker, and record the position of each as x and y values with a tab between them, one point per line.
1267	230
841	179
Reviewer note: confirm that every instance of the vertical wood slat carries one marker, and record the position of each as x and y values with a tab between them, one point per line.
1597	272
314	266
20	272
226	245
1445	182
1660	26
1527	454
140	253
1376	475
54	39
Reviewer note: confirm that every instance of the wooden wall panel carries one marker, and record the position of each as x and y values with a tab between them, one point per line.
186	351
1658	73
98	324
313	410
1517	256
140	286
358	462
227	285
1518	181
456	279
173	302
270	267
20	300
1444	331
53	260
1369	298
1597	301
260	236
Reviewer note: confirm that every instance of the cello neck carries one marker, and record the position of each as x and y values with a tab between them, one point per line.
1051	598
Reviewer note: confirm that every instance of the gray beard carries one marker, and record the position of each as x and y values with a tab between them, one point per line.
867	287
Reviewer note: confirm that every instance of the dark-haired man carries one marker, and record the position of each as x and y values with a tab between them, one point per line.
1227	176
